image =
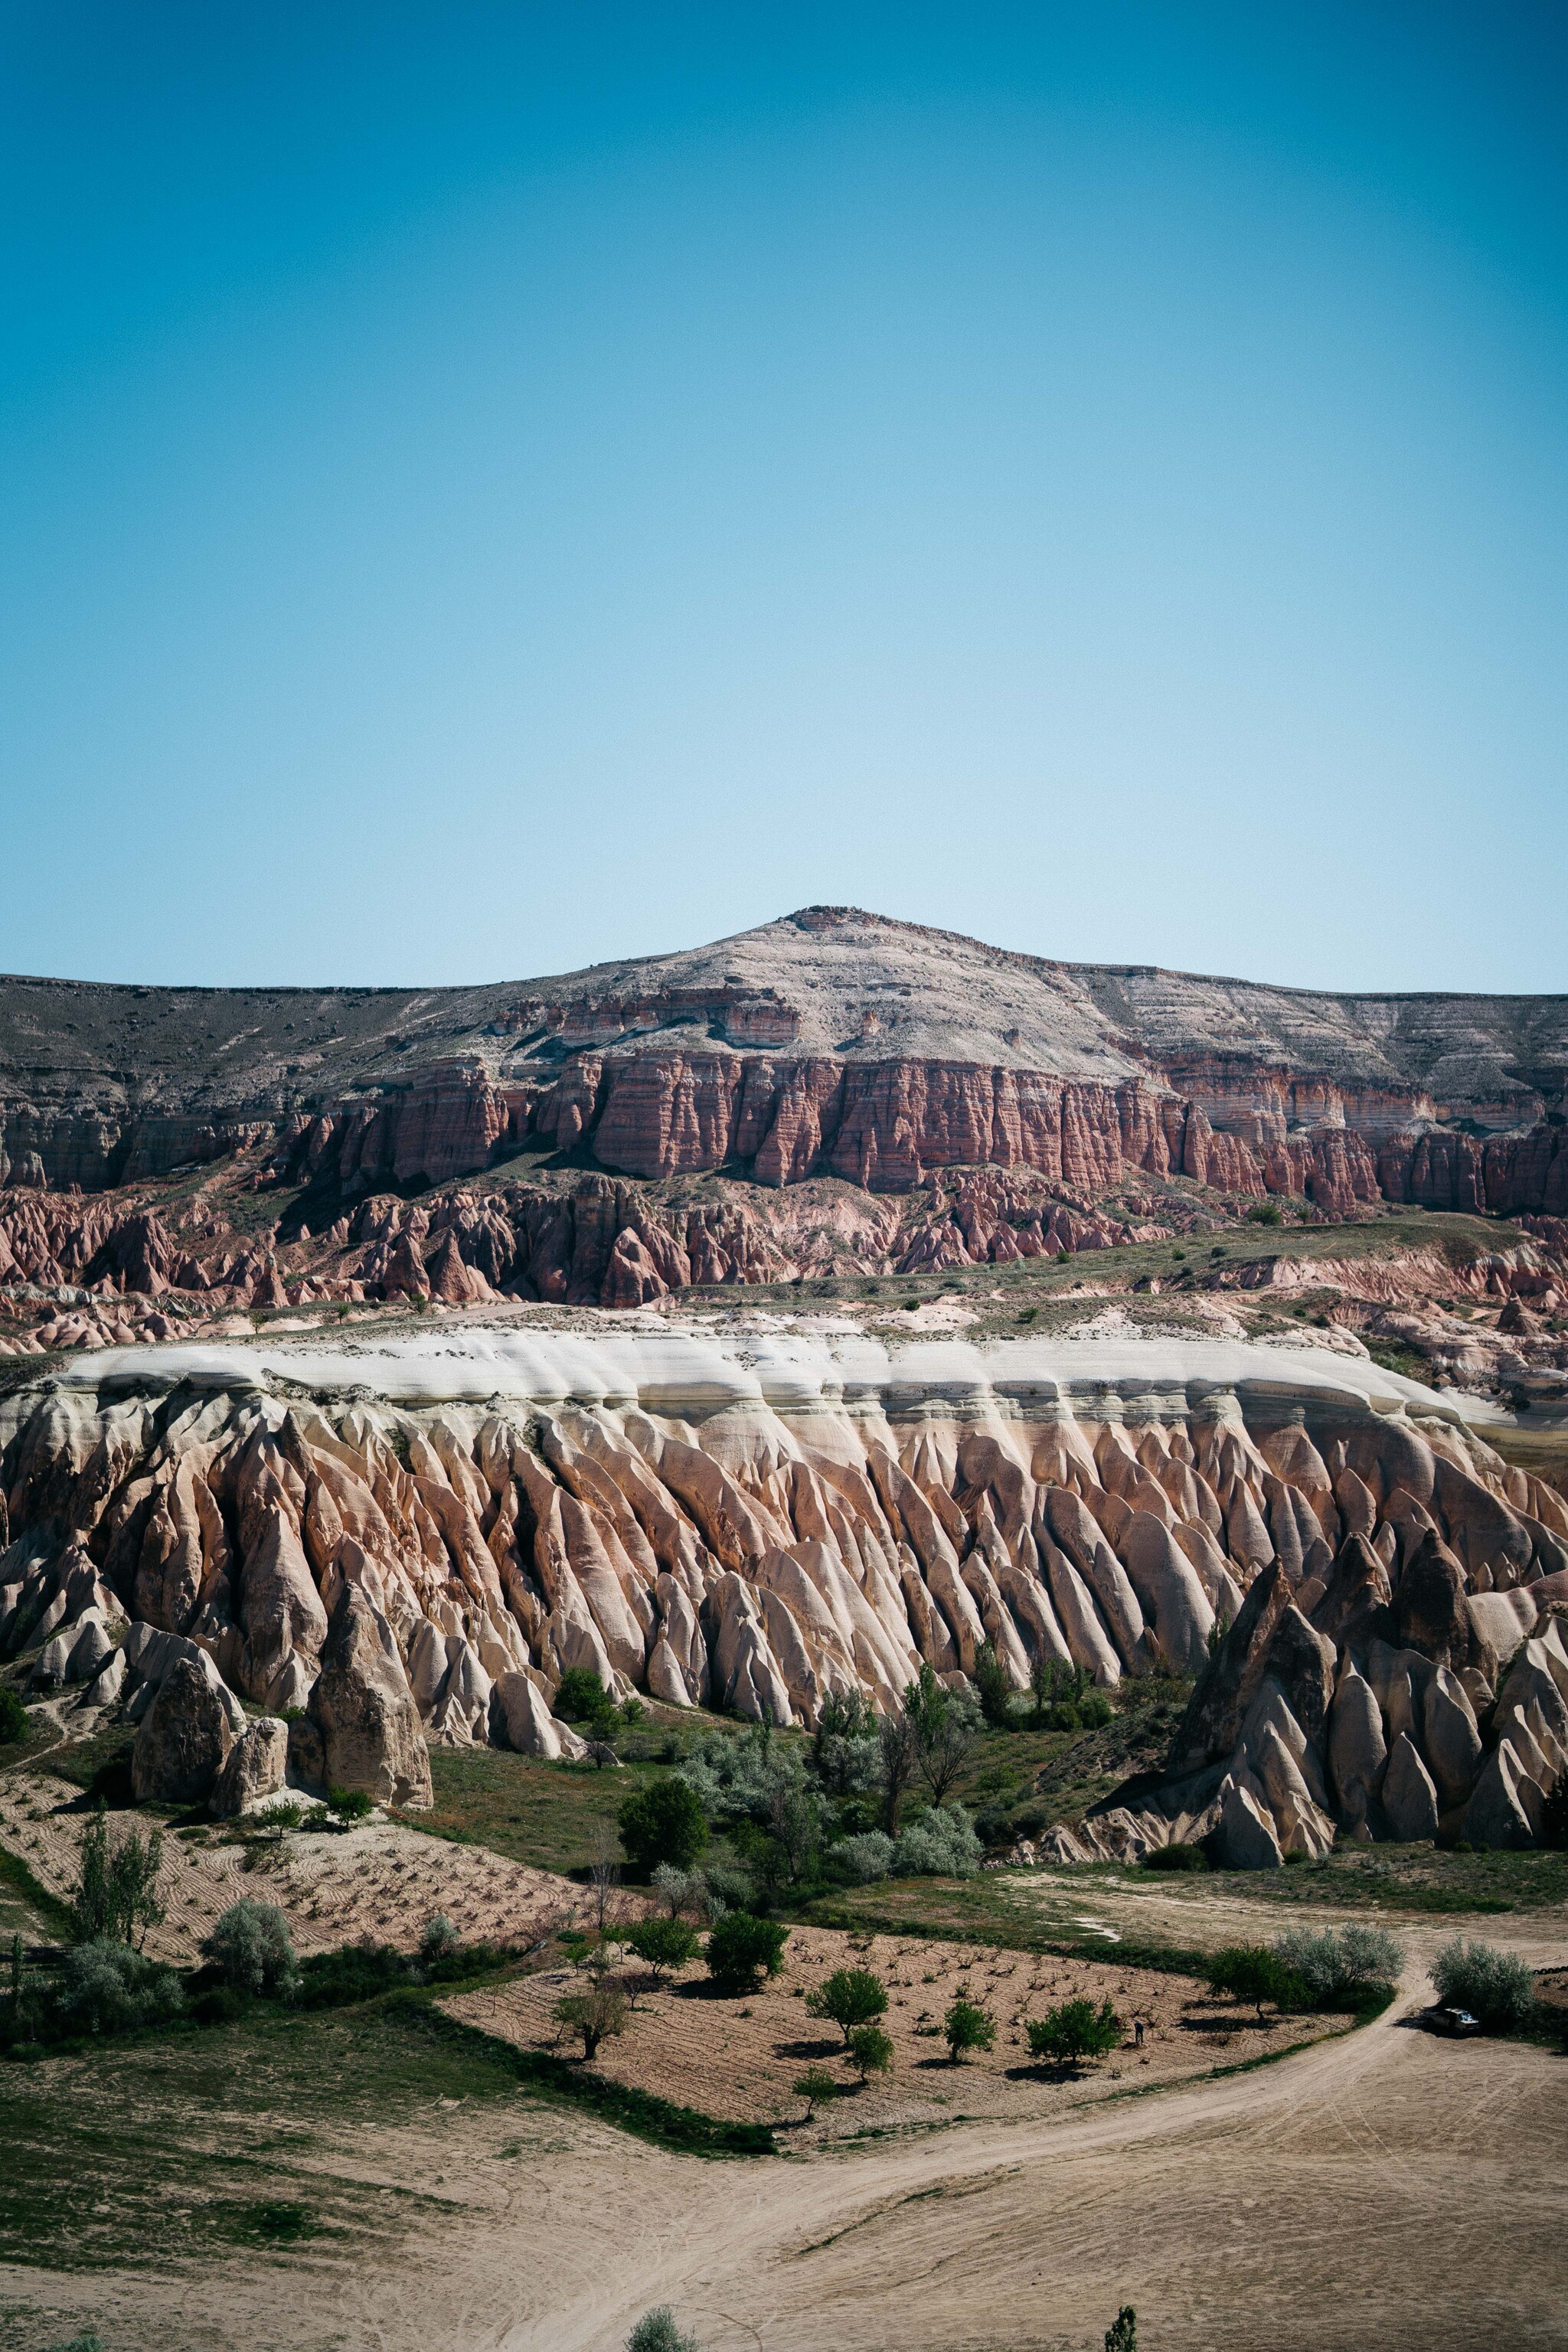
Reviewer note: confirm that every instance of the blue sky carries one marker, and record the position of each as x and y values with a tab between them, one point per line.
487	489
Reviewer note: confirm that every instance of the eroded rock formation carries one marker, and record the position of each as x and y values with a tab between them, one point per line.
1350	1582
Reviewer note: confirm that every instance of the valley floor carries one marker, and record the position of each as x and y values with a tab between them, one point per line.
1380	2187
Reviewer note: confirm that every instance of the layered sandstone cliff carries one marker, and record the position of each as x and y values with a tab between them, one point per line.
833	1042
762	1530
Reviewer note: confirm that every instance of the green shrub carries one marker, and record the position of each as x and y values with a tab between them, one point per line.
848	1998
816	2086
1341	1968
663	1822
655	2331
252	1950
870	2050
580	1697
862	1859
1263	1213
1121	2336
1497	1989
742	1950
355	1972
351	1804
1074	2031
439	1937
106	1987
13	1715
1177	1857
938	1844
1553	1815
663	1944
967	2027
1249	1972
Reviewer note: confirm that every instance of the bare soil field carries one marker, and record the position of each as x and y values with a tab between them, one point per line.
738	2059
377	1879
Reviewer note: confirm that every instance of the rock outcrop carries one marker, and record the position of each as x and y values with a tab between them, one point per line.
765	1533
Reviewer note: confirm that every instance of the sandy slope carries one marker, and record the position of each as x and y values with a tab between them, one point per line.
1380	2190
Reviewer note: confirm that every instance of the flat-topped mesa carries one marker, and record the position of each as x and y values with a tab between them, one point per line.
1344	1564
831	1042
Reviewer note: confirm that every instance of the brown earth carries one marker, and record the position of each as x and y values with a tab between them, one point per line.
739	2058
1380	2187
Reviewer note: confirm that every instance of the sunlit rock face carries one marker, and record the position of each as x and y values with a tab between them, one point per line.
1346	1568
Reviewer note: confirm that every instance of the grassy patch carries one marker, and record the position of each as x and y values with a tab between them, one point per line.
134	2154
981	1911
1417	1878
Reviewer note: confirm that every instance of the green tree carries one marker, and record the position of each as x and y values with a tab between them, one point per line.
742	1950
663	1822
663	1944
849	1997
251	1946
116	1895
991	1683
816	2086
595	2014
580	1697
13	1715
870	2050
1074	2031
1249	1972
1121	2336
967	2027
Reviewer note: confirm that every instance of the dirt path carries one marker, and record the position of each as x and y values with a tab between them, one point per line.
1379	2189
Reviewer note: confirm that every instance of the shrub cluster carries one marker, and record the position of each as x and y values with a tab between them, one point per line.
1497	1988
1341	1970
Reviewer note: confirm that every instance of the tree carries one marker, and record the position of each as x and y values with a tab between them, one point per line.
816	2086
870	2050
967	2027
655	2331
13	1715
595	2014
991	1683
1073	2031
849	1997
117	1894
664	1944
742	1950
663	1822
1248	1973
251	1945
439	1937
898	1748
1496	1987
1122	2334
580	1697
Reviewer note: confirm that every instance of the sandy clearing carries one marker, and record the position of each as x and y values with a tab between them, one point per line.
1378	2189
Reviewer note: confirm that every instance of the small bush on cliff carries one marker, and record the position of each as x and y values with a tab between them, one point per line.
663	1822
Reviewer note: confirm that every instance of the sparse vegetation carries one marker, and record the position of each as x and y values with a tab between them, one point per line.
655	2331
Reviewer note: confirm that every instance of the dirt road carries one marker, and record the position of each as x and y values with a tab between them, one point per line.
1379	2189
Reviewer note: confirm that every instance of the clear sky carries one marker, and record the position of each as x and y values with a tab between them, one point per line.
488	489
